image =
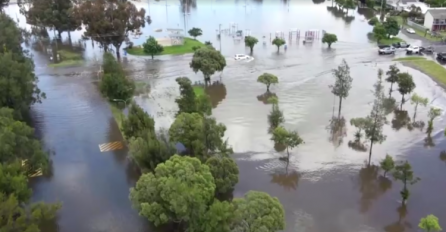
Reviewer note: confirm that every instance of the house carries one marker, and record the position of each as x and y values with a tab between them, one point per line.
435	19
400	5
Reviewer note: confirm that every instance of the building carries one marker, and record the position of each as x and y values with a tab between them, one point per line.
435	19
400	5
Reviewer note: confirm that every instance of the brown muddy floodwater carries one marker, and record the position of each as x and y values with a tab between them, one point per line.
326	186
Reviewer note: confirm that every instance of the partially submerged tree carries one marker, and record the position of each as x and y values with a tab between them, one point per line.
418	100
404	173
278	42
152	47
405	85
225	172
391	26
377	118
187	101
433	113
289	139
114	84
360	124
329	39
259	211
387	164
138	123
188	129
268	79
250	41
109	22
208	61
379	32
179	190
392	76
430	224
275	117
195	32
373	21
343	83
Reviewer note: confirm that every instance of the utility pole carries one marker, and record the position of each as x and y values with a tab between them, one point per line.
219	34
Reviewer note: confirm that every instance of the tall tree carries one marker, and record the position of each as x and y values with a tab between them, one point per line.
208	61
220	217
195	32
188	129
289	139
189	102
268	79
377	118
19	144
213	134
178	191
429	224
251	41
391	26
109	22
275	116
225	172
405	85
404	173
392	77
433	113
379	32
114	84
278	42
152	47
258	211
387	164
13	181
138	123
418	100
343	83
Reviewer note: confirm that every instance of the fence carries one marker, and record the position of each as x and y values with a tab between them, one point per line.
416	25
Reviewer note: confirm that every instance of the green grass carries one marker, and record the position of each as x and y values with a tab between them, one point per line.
118	115
417	31
389	41
409	58
69	55
170	50
429	67
198	90
67	63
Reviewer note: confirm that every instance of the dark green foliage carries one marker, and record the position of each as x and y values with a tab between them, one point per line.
289	139
114	84
391	26
187	101
204	104
18	143
179	190
379	32
114	19
405	85
373	21
149	150
329	39
10	38
152	47
225	172
268	79
16	217
251	41
404	173
220	217
208	61
213	133
138	123
13	181
188	129
392	76
343	83
387	164
278	42
259	211
195	32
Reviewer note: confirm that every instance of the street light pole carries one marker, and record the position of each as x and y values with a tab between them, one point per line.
219	34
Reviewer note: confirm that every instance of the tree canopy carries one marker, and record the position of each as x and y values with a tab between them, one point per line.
404	173
188	129
208	61
268	79
391	26
329	39
114	84
137	123
109	22
188	102
179	190
405	85
343	83
379	32
195	32
430	224
392	76
290	139
152	47
251	41
278	42
225	172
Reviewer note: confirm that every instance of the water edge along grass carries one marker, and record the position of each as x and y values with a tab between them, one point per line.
187	47
428	67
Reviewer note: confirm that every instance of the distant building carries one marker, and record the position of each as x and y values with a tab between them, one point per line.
435	19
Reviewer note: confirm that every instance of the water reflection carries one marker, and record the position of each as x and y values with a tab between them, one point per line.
216	92
318	1
428	142
340	13
288	179
389	105
264	97
366	12
401	224
443	156
337	129
371	186
401	119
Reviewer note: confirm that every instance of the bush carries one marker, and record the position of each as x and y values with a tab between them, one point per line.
373	21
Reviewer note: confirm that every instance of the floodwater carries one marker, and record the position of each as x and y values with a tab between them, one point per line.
325	187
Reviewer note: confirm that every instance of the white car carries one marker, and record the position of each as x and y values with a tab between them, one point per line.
241	57
410	31
413	49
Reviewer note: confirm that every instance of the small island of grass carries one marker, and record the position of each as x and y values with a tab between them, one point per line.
68	58
387	41
187	47
428	67
198	90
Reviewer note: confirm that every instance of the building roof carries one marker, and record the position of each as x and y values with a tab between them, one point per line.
438	13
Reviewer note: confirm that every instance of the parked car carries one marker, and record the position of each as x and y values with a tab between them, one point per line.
441	56
241	57
410	30
401	45
386	51
413	49
381	46
429	49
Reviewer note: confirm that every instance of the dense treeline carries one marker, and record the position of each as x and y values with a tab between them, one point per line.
21	154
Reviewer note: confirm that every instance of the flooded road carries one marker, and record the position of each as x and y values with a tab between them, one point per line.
326	186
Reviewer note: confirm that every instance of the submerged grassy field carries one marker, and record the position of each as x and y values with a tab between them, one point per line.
187	47
68	58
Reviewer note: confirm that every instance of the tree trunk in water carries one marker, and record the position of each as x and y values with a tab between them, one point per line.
152	56
69	38
251	49
370	151
288	153
385	173
415	112
59	34
118	55
329	45
340	106
402	102
267	88
390	90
